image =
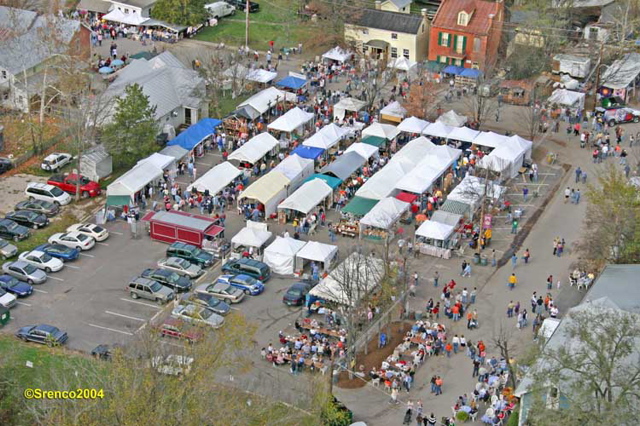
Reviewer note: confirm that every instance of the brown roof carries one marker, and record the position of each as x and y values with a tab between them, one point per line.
480	23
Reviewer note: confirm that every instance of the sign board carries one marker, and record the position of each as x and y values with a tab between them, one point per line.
486	221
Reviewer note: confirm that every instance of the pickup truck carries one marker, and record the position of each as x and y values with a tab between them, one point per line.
68	182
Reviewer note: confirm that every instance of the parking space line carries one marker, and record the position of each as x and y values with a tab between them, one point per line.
86	255
72	266
124	316
116	233
40	291
55	278
111	329
22	303
140	303
103	244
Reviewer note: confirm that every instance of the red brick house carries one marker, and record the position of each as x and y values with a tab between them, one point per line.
467	33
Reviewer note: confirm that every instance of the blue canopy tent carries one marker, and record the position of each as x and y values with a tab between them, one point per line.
292	82
333	182
453	69
471	73
196	133
310	152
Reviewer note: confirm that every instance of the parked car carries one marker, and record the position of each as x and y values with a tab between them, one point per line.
45	192
8	300
222	291
150	289
242	5
618	115
28	218
220	9
56	161
7	249
96	232
43	334
5	165
172	365
191	253
247	284
176	282
198	315
105	352
207	300
253	268
73	240
69	183
175	327
41	260
39	206
15	286
25	272
181	266
297	293
59	251
11	230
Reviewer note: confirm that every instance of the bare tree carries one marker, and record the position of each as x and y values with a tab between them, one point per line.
480	107
503	339
530	117
423	100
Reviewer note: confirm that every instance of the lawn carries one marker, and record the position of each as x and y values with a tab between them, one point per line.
226	104
40	236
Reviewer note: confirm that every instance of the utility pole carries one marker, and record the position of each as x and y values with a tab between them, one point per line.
246	32
597	84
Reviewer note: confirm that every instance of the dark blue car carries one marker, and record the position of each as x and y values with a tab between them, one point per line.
15	286
59	251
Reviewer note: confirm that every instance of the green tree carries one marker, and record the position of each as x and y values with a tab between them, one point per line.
132	133
181	12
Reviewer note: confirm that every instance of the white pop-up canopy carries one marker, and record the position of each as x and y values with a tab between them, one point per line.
216	178
384	181
269	190
414	151
326	137
134	180
259	103
490	139
161	161
386	131
471	190
296	168
463	134
394	109
291	120
255	148
402	64
453	119
435	230
509	157
280	255
567	98
347	104
412	125
384	214
438	130
261	76
251	237
364	150
308	196
317	252
419	179
338	54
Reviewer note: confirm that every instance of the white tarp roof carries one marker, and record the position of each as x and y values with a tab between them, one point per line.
463	134
438	130
386	131
347	104
161	161
567	98
307	197
384	214
622	72
430	168
453	119
175	151
294	165
471	190
266	187
260	101
255	148
135	179
394	109
363	149
291	120
351	280
413	152
326	137
508	157
318	252
261	76
280	255
384	181
338	54
413	125
251	237
216	178
435	230
401	63
116	15
490	139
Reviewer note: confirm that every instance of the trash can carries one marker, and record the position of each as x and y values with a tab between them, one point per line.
5	316
484	261
476	258
418	315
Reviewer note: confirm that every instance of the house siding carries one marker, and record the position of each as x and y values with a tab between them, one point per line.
415	43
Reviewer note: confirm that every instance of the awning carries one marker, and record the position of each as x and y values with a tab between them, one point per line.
435	230
291	82
118	200
158	23
413	125
345	165
196	133
453	69
359	206
374	141
456	207
338	54
175	151
434	66
387	131
161	161
308	152
377	44
471	73
307	197
291	120
333	182
216	178
446	217
134	180
406	197
363	149
213	231
255	148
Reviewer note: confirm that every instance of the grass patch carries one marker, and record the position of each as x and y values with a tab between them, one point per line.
260	33
226	104
40	236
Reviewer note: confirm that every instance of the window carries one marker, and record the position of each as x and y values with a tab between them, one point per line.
443	39
394	52
460	43
593	35
553	399
442	59
394	36
477	44
405	53
365	31
4	74
463	19
126	11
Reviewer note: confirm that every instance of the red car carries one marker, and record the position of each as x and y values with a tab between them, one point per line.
177	328
68	183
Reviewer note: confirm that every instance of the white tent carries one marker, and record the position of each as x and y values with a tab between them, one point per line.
471	190
451	118
216	178
251	237
384	214
567	98
509	157
383	183
255	148
308	196
463	134
326	137
401	63
338	54
280	255
269	190
386	131
438	130
291	120
430	168
296	168
363	149
413	125
413	152
317	252
116	15
259	103
394	110
134	19
347	104
161	161
134	180
435	230
175	151
261	76
490	139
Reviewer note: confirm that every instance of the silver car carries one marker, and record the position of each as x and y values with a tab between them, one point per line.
181	267
150	289
25	272
198	315
7	250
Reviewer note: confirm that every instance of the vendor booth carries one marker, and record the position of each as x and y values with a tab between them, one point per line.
509	158
344	166
122	192
347	104
413	125
116	15
216	179
463	134
453	119
293	120
364	150
313	251
413	152
432	166
307	197
255	149
193	137
393	113
402	64
292	83
261	76
296	169
333	182
269	191
308	152
490	139
260	103
327	137
471	190
250	241
435	239
386	131
280	255
175	151
164	162
377	225
338	54
382	184
438	130
567	99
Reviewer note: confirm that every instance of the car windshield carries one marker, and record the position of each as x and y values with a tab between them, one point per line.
197	252
57	248
29	269
46	258
156	287
31	215
84	180
205	314
172	277
294	292
56	191
213	302
44	204
182	263
98	229
249	280
11	225
82	237
11	281
45	161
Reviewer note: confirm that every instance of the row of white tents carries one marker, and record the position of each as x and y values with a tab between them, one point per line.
286	256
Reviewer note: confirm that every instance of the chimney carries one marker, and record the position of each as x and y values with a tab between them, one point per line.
423	12
378	5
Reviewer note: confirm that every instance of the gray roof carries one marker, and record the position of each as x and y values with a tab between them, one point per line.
101	6
96	155
175	151
42	36
345	165
137	3
581	3
178	219
451	219
389	21
620	284
622	72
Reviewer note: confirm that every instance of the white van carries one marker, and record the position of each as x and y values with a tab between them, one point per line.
45	192
219	9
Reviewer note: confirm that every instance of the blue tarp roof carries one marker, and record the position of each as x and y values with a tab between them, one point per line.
453	69
308	152
196	133
291	82
333	182
470	72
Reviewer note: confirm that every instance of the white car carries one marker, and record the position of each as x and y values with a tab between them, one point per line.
56	161
41	260
96	232
7	299
197	315
73	240
181	267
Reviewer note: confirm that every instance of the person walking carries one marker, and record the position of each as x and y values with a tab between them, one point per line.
576	195
493	258
549	282
525	193
467	270
514	260
526	256
513	280
510	307
474	294
578	174
394	396
436	277
514	226
439	383
567	194
463	267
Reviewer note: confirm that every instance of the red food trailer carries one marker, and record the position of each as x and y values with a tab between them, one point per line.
172	226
